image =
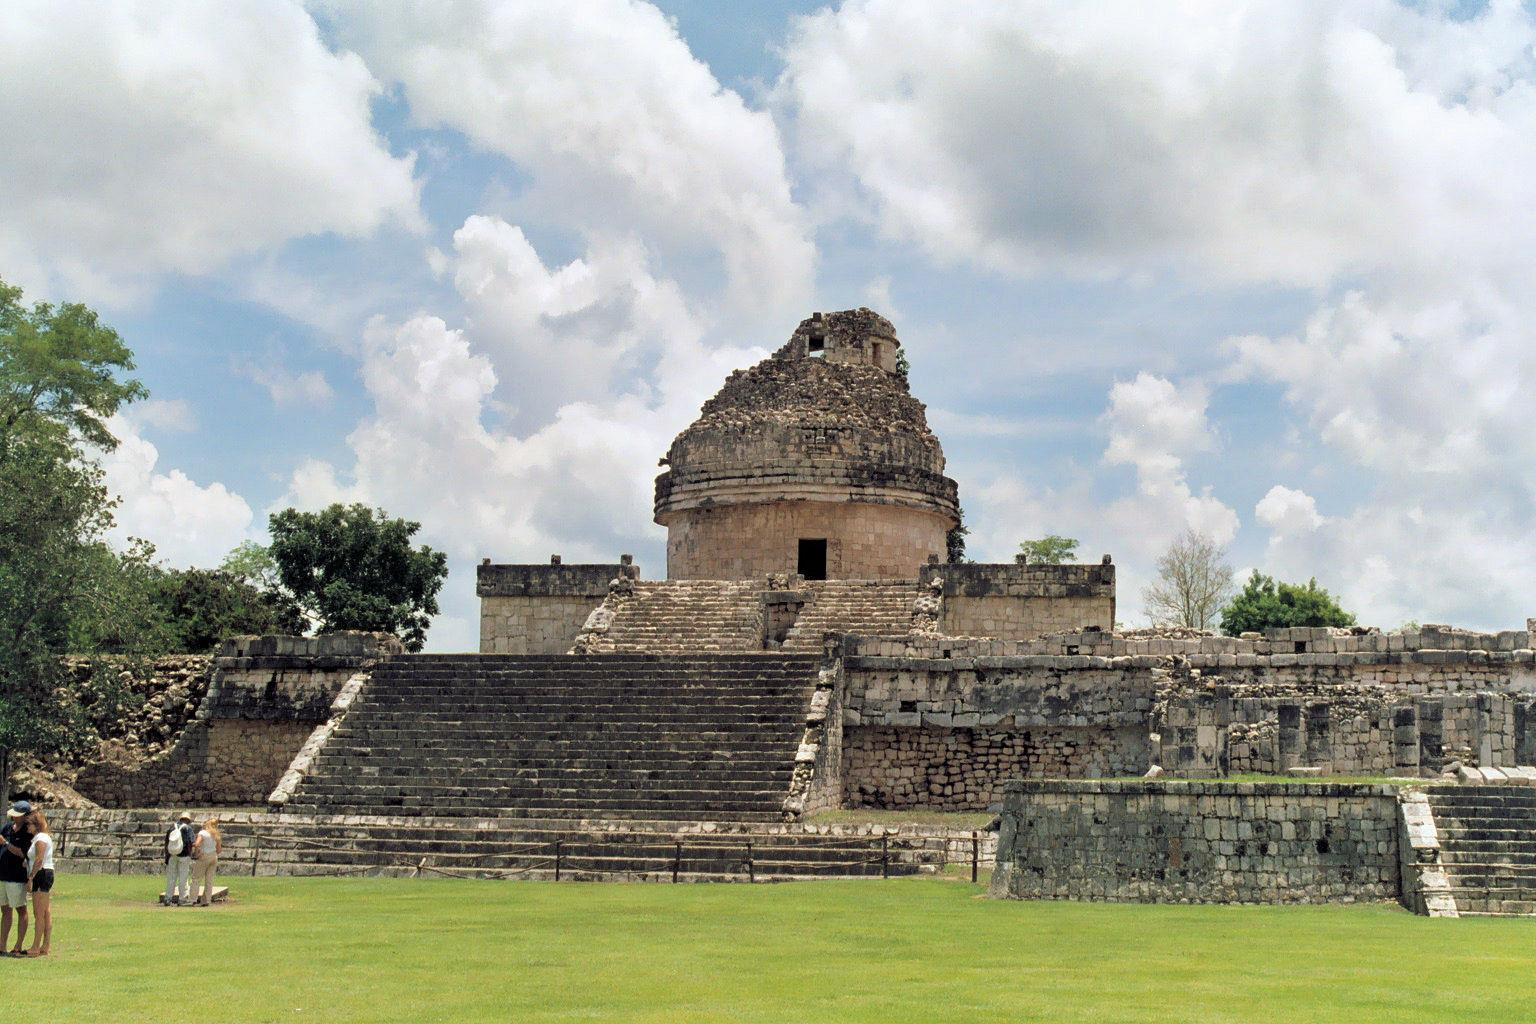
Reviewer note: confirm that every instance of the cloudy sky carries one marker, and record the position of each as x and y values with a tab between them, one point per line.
1259	268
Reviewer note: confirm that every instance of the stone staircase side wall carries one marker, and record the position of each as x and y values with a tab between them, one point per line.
1425	886
304	760
264	699
817	784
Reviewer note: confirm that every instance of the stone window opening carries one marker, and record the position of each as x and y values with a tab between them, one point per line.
813	558
816	348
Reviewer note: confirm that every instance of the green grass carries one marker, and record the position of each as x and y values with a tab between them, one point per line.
431	950
963	820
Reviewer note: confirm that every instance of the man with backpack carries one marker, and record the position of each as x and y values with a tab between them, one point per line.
13	875
178	862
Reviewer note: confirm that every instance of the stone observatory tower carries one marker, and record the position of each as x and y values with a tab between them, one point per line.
816	461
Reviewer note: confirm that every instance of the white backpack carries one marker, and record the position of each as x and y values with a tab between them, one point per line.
173	841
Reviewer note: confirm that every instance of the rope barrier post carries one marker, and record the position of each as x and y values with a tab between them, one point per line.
751	868
885	855
122	841
677	860
559	848
255	857
975	856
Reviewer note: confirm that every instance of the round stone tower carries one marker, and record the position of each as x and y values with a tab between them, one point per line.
817	460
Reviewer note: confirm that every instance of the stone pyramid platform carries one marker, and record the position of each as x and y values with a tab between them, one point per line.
708	737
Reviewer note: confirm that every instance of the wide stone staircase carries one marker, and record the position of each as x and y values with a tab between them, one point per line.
866	607
689	616
1488	847
685	736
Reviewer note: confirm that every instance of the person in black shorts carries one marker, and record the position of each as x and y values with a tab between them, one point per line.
13	876
40	877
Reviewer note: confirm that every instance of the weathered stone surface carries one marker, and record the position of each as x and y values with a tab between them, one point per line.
1198	842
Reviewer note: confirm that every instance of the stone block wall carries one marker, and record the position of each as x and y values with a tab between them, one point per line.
945	730
747	541
266	696
966	769
1022	602
1198	842
539	609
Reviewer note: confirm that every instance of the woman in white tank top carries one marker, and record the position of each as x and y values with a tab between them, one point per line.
40	873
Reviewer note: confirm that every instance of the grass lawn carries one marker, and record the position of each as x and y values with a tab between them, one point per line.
963	820
908	950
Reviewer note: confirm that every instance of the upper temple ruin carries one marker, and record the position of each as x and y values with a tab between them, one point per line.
811	649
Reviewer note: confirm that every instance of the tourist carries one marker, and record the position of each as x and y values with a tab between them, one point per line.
178	862
205	857
40	880
13	873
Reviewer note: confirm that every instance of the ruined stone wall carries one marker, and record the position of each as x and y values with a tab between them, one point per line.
945	730
266	695
864	541
539	609
938	719
966	769
1198	842
1009	601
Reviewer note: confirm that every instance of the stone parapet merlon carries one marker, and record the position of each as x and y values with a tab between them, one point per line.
551	580
1010	579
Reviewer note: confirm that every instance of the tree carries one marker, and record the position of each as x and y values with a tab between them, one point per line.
954	540
350	567
1193	581
203	607
1049	550
1265	603
62	377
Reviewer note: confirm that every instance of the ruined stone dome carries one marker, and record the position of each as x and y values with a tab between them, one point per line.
827	418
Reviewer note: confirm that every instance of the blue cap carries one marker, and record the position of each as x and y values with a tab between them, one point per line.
19	808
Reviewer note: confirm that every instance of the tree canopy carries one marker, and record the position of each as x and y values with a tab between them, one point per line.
63	374
1193	581
954	541
352	567
1049	550
1265	603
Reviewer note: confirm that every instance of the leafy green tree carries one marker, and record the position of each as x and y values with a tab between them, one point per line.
1049	550
121	611
253	563
204	607
954	543
1265	603
351	567
63	374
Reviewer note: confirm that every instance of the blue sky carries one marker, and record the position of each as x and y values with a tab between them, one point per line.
1257	269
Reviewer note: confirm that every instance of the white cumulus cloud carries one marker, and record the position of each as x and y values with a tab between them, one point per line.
189	523
444	443
1260	140
618	125
1287	511
145	137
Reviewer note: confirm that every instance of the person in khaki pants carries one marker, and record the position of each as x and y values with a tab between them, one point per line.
205	858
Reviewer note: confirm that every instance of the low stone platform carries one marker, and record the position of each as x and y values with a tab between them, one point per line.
255	843
220	894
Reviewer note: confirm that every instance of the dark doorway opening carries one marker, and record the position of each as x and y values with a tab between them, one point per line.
813	559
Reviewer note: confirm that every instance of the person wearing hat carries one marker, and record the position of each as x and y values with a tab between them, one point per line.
13	875
178	862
